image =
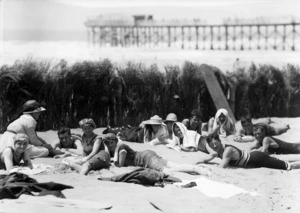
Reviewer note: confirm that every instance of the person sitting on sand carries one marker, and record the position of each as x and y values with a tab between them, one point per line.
221	124
190	141
125	156
232	156
155	131
12	156
95	156
25	123
170	119
67	143
195	121
246	133
271	145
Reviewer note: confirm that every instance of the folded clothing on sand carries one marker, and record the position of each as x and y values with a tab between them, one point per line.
15	184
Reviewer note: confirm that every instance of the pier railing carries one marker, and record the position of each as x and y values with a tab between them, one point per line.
281	36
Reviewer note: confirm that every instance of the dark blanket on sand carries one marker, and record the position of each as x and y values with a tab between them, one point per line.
144	176
12	186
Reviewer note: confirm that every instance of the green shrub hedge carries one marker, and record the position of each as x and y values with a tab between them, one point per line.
92	89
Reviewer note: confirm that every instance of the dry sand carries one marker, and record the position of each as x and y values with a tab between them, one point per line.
279	190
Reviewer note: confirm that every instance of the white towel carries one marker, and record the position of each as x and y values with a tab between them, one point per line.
37	169
216	189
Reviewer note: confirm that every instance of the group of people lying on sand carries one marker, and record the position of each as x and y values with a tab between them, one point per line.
20	143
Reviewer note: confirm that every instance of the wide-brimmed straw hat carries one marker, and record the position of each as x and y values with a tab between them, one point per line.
155	120
87	122
171	117
32	106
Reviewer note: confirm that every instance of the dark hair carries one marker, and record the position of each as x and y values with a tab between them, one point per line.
260	126
211	137
197	113
63	130
246	119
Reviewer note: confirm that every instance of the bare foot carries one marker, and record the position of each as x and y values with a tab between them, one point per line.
203	171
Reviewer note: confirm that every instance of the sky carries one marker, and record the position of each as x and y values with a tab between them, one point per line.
70	15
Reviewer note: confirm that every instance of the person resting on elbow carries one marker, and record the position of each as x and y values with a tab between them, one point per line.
221	125
13	156
69	144
232	156
245	134
271	145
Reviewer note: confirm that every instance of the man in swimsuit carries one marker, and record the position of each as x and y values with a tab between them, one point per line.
232	156
246	133
68	143
270	144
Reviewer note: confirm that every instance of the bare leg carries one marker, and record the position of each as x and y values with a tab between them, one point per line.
85	168
173	167
295	165
280	129
75	166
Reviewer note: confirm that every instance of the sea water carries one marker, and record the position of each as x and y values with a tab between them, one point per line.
79	50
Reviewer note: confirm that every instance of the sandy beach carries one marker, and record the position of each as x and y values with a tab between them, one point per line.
277	191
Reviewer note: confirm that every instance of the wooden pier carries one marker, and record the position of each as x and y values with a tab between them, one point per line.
281	36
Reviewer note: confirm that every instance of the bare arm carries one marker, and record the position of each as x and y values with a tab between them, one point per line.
27	160
254	146
267	141
8	159
188	149
33	138
122	158
78	150
227	156
238	136
95	150
56	144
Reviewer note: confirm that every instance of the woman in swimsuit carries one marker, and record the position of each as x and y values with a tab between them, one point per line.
95	156
125	156
12	156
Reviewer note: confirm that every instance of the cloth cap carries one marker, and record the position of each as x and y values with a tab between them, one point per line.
32	106
20	137
171	117
155	120
87	122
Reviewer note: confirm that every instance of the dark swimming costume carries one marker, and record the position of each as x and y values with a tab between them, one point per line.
74	137
146	159
284	147
257	159
88	145
16	162
202	145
